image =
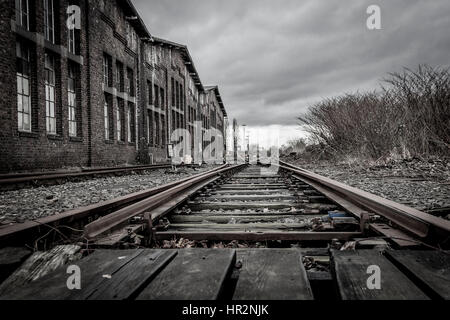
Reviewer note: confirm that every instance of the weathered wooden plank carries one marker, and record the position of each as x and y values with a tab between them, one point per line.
253	197
250	187
128	281
194	274
257	212
429	268
257	236
251	192
247	176
39	265
351	273
94	269
272	274
237	218
244	227
199	206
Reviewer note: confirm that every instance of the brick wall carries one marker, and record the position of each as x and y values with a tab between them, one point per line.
104	29
107	35
37	149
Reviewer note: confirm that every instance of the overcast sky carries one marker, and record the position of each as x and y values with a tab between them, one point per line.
273	58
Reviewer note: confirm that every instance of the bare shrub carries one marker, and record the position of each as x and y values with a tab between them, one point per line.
409	117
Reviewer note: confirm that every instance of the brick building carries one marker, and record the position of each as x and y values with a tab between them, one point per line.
103	93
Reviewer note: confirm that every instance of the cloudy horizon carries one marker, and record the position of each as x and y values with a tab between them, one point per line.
272	59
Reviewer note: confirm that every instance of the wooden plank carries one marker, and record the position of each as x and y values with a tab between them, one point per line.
429	268
237	218
194	274
350	271
257	236
39	265
253	197
272	274
250	187
244	227
105	274
250	192
128	281
301	212
199	206
93	269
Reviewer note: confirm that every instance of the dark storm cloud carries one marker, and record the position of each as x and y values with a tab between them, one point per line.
273	58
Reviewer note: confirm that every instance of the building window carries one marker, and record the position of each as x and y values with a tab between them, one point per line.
130	82
23	87
181	97
49	21
131	37
150	126
162	94
72	96
107	70
120	120
174	126
149	92
177	95
72	41
74	34
131	123
120	77
173	91
156	102
157	129
23	14
163	130
108	116
50	93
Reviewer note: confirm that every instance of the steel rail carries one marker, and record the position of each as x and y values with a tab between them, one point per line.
43	176
109	222
416	222
10	233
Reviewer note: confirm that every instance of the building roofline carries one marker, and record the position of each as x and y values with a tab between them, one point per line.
218	97
134	18
189	62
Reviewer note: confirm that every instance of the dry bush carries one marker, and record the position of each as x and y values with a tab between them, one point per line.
409	117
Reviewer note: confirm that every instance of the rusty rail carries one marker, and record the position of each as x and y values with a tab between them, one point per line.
419	223
12	233
26	178
117	218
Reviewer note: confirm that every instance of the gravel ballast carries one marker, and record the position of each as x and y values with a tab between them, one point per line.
424	185
29	204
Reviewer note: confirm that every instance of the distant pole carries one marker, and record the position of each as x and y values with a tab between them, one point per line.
257	155
235	142
245	143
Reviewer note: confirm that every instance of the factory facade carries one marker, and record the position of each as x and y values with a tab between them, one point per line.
84	83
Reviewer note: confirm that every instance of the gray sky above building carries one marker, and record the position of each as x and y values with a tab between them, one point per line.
272	59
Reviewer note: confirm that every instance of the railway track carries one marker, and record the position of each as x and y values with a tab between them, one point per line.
21	180
267	222
256	206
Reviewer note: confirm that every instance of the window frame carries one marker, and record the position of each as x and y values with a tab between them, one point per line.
50	93
20	12
49	26
21	78
72	100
